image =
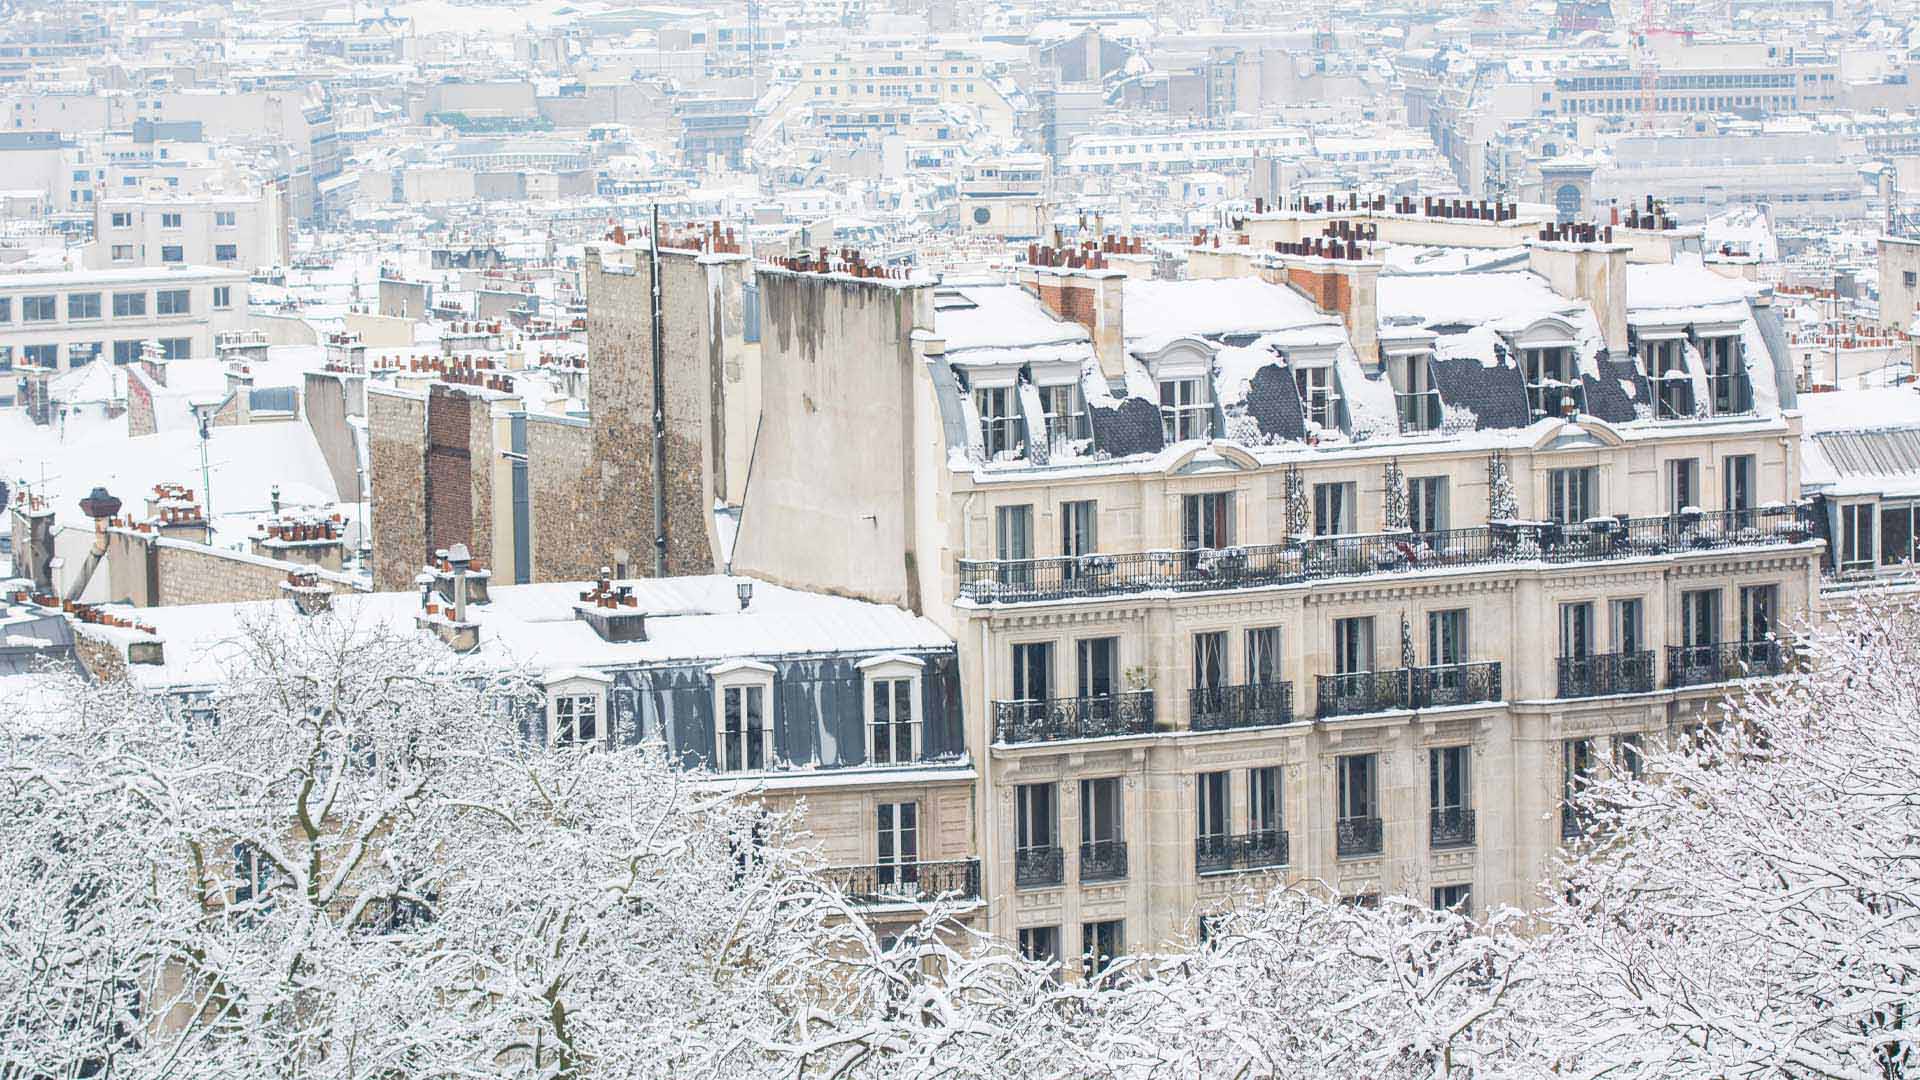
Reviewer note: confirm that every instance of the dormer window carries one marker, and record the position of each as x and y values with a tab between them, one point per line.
1318	399
1418	401
1726	375
1065	408
576	720
1664	361
893	712
1551	377
743	721
576	708
999	408
1184	409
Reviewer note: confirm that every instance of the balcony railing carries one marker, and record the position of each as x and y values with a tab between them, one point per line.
1011	581
1450	827
908	882
1054	719
1356	836
1039	867
1697	665
1406	688
1103	860
1603	674
1225	708
1224	854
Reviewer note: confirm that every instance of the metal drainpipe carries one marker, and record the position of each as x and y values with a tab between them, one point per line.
988	864
659	407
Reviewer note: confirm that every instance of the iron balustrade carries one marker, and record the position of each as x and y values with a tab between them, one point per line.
1354	836
908	882
1103	860
1055	719
1361	692
1039	867
1450	827
1407	688
1697	665
1007	581
1226	708
1603	674
1456	684
1259	850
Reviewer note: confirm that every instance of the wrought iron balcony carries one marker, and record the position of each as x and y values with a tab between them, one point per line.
1603	674
1054	719
1357	836
1014	581
1039	867
1222	854
1456	684
1103	860
1225	708
1450	827
908	882
1698	665
1406	688
1361	692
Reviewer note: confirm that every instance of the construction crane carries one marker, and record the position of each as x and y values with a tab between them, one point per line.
1651	18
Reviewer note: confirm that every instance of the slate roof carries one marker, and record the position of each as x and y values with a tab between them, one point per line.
1497	395
1607	399
1132	427
1274	403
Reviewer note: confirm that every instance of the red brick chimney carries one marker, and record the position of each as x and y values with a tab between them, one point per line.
1341	279
1092	297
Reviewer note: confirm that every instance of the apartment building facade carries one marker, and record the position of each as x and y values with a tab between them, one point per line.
57	321
161	226
1248	588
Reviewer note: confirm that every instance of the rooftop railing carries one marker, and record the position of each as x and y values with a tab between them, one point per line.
1699	665
1013	581
908	882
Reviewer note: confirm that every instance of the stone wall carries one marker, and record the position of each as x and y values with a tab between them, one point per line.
449	468
619	340
195	574
480	458
561	492
396	434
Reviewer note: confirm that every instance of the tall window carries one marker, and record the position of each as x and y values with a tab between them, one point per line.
223	296
743	728
894	721
1216	808
1570	495
1551	377
1263	655
1576	630
1896	534
1036	816
1427	503
1736	477
1759	608
1210	660
999	420
1666	365
1102	944
1447	637
1683	484
1726	375
1033	671
1101	818
1414	393
576	720
1066	413
1040	944
1097	666
1333	506
1317	396
1581	766
1358	791
898	827
1183	409
1078	524
1700	617
1013	543
1856	536
1207	520
1353	645
1625	617
1449	777
1263	800
253	875
1453	898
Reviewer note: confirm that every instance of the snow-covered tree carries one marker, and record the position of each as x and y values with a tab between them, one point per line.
1751	908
